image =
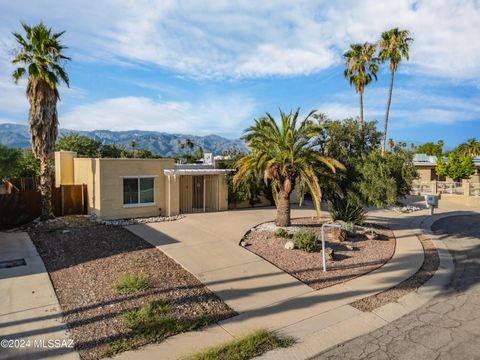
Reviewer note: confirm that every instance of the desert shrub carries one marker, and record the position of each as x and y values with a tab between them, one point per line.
346	210
129	283
282	233
305	240
349	227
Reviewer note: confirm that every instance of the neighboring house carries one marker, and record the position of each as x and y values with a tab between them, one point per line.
425	166
126	188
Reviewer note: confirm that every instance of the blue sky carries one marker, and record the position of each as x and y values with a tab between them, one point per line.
202	67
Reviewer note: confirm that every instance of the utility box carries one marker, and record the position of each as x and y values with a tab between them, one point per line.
431	201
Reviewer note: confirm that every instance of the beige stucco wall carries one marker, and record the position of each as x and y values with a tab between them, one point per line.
112	172
64	168
172	192
87	171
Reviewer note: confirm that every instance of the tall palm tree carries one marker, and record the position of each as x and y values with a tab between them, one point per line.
40	58
394	47
284	154
470	148
361	68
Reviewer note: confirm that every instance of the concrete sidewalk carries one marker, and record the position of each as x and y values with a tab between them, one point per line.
30	315
265	296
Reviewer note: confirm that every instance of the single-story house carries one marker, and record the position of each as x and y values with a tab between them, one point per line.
126	188
425	166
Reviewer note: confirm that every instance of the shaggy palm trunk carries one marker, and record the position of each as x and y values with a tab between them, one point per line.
43	122
46	211
361	107
283	209
385	124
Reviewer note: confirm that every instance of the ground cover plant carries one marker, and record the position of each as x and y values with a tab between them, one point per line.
131	282
247	347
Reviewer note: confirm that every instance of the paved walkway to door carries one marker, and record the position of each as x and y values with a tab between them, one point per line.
263	295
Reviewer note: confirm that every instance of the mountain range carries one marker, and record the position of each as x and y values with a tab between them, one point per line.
17	135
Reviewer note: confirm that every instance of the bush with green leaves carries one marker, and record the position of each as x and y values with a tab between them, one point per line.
305	240
346	210
129	283
281	233
349	227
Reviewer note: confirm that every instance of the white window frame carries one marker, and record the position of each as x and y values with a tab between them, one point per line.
139	204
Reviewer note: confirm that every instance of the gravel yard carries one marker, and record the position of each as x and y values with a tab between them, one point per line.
85	261
429	266
367	255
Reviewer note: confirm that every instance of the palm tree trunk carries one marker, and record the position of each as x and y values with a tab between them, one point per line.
43	121
361	108
385	124
283	209
46	211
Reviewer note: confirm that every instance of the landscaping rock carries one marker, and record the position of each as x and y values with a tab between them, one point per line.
289	245
125	222
371	234
243	243
349	247
329	253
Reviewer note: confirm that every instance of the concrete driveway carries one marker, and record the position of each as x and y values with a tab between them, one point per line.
206	244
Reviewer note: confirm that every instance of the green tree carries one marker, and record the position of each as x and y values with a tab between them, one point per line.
113	151
29	166
394	46
431	149
199	153
283	154
249	188
469	148
457	168
9	163
15	163
40	56
368	179
361	68
384	178
82	145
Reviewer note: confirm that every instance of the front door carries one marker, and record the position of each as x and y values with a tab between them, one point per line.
197	188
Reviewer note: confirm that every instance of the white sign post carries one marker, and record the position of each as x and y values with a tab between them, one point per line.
324	262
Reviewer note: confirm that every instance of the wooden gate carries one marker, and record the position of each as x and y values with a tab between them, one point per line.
199	193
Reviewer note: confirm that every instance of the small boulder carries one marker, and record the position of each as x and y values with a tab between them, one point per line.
349	247
329	253
289	245
243	243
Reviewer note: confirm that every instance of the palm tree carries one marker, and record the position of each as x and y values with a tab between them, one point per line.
284	154
41	59
361	68
470	148
394	46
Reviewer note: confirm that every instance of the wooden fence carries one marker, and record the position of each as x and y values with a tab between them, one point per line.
22	207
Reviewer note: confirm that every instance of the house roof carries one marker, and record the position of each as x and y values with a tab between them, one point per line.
190	171
426	160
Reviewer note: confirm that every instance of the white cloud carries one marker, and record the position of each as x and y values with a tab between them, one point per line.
410	107
219	38
223	116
